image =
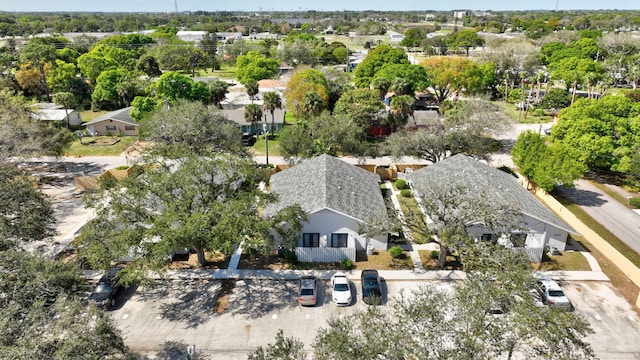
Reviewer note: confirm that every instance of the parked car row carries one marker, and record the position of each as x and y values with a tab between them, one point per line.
341	290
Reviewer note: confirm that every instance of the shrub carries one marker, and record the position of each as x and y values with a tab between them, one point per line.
401	184
346	264
634	202
290	256
395	252
539	112
405	193
122	167
435	254
633	95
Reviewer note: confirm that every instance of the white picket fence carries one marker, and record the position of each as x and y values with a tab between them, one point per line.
325	254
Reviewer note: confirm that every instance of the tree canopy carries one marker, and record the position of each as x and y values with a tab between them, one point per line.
207	204
375	60
254	65
450	75
305	81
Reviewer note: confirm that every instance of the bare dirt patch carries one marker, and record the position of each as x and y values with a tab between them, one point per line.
215	260
222	301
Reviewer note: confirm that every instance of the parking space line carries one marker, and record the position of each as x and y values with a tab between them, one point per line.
274	316
125	316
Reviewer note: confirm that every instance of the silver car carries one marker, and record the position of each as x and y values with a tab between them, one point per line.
552	295
308	293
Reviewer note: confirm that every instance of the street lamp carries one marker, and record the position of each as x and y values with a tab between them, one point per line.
266	137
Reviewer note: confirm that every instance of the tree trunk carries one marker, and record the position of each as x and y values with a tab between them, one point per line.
573	95
442	258
202	261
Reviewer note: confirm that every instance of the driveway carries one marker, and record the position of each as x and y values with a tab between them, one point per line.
163	322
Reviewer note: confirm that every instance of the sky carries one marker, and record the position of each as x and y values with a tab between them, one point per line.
295	6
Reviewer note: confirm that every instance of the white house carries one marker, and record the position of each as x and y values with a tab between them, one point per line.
56	113
117	122
541	230
337	198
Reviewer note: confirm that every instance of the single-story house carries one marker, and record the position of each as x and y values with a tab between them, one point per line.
337	197
237	116
117	122
541	228
56	113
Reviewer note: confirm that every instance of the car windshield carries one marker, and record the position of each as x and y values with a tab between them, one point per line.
306	292
102	288
341	287
556	293
370	284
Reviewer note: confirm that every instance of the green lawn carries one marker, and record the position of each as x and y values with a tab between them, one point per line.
414	219
89	115
259	148
518	116
77	149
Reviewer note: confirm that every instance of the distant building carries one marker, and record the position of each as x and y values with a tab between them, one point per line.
459	14
191	36
57	114
429	16
394	36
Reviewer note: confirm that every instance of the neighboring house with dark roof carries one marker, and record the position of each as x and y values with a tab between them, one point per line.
336	197
542	229
117	122
237	116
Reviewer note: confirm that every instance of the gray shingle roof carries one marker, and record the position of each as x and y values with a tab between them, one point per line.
326	182
121	115
465	170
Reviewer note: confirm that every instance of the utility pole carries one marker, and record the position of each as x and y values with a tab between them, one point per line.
266	137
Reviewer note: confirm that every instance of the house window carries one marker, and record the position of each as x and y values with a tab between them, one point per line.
487	237
111	128
310	240
129	128
339	240
518	239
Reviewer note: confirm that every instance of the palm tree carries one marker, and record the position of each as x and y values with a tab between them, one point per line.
312	103
252	114
402	107
271	102
382	85
218	90
252	88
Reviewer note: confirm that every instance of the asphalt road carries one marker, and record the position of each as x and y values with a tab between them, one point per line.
163	322
617	218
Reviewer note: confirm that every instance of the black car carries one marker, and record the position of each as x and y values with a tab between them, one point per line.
371	287
107	289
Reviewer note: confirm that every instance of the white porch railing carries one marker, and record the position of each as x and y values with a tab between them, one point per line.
325	254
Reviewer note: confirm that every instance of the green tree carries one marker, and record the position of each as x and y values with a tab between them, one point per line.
180	56
450	75
105	94
556	99
253	113
35	289
282	349
413	37
312	104
375	60
401	108
255	66
172	86
252	88
149	65
361	105
324	134
302	82
192	127
22	136
465	39
219	90
26	214
271	102
66	99
202	203
415	75
602	132
39	52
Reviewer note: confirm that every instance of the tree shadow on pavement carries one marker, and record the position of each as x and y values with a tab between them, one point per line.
256	298
579	197
177	350
187	301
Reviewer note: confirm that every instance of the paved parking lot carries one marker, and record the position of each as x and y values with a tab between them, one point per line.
162	322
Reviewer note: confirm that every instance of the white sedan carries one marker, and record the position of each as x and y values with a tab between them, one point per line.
341	291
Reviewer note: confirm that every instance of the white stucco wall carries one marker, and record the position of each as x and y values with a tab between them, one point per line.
326	222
